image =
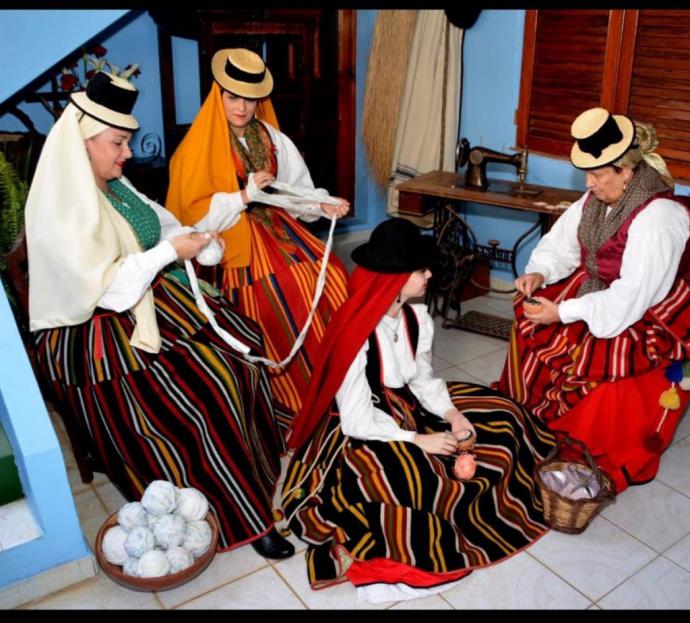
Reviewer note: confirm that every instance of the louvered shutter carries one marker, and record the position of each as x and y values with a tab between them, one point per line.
659	84
565	53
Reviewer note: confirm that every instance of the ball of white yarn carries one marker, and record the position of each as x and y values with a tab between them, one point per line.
160	497
169	530
131	515
113	545
198	538
151	520
153	564
179	558
192	505
131	567
139	541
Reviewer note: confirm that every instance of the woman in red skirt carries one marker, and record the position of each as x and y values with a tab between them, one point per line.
602	321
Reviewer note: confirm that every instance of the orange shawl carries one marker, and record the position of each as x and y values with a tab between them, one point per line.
202	165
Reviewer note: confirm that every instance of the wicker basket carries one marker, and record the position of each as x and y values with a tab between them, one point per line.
565	514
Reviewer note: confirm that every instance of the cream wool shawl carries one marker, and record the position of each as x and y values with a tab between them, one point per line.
76	239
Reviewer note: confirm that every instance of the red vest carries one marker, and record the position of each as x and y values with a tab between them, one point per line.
609	256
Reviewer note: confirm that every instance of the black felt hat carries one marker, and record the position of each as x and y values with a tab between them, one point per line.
396	246
109	99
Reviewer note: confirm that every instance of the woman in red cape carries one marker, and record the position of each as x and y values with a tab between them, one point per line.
371	485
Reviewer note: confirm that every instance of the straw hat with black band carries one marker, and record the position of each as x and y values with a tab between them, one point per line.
108	99
242	72
600	138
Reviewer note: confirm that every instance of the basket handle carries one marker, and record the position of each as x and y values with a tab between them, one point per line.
567	439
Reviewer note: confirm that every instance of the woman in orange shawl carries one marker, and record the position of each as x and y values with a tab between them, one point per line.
271	261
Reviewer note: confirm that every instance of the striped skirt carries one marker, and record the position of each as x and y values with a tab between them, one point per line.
604	392
395	508
277	289
196	413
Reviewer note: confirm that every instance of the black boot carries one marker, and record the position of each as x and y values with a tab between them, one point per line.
272	545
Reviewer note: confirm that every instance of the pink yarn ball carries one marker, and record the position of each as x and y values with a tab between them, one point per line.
465	467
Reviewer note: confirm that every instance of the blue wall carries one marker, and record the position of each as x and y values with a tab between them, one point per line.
39	461
32	41
136	42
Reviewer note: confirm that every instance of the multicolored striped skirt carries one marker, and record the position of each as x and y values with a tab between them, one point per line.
196	413
277	289
604	392
397	514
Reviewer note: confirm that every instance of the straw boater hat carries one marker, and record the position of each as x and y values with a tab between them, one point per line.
108	99
396	246
242	72
600	138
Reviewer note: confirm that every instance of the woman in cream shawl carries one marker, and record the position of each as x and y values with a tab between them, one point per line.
121	340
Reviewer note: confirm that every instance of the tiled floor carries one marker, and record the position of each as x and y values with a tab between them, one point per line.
635	555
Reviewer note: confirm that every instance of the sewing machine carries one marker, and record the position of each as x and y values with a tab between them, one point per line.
477	158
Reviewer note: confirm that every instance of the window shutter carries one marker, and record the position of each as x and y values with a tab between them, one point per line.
659	83
564	61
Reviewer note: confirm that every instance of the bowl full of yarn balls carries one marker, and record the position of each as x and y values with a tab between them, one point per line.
160	542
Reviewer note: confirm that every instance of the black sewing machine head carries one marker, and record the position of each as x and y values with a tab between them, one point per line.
476	159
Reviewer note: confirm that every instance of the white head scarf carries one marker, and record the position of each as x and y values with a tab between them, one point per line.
76	240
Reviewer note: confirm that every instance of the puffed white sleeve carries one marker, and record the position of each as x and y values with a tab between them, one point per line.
557	254
138	270
293	170
656	241
431	391
359	418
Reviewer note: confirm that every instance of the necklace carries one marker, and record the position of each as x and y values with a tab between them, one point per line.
394	332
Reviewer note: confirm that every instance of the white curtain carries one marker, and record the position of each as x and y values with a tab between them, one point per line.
429	113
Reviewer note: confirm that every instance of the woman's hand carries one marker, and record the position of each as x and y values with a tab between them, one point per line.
257	181
459	424
338	211
437	443
189	245
527	284
545	313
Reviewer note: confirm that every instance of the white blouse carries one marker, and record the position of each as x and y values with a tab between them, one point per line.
138	270
225	208
359	418
656	241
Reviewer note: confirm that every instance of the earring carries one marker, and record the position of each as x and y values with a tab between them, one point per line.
398	300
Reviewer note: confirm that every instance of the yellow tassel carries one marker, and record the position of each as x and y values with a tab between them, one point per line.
670	399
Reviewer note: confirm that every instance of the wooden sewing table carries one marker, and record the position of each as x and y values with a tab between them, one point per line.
432	200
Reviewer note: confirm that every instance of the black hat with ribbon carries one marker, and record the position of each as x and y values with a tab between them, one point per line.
396	246
109	99
600	138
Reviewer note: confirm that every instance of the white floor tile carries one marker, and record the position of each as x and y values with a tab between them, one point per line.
225	568
17	524
263	589
654	513
98	593
454	373
433	602
91	513
75	482
680	553
519	582
341	596
487	368
660	585
674	466
457	347
112	499
595	561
